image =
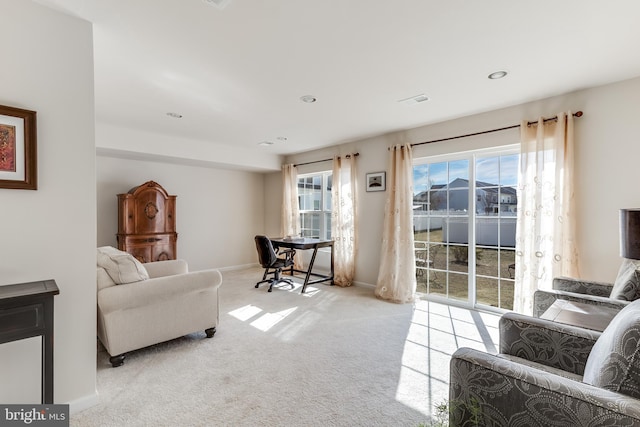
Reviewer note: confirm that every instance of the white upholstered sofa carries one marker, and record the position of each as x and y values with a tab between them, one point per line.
145	304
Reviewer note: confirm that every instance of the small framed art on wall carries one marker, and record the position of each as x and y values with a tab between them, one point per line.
376	181
18	153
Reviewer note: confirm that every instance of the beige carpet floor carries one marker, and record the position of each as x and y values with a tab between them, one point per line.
330	357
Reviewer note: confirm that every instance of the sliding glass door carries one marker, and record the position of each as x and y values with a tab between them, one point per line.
495	229
464	227
441	218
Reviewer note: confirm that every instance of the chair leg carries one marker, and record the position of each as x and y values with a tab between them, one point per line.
264	277
277	278
289	281
261	282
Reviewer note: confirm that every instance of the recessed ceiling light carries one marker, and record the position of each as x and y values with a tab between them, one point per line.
497	75
309	99
265	143
174	115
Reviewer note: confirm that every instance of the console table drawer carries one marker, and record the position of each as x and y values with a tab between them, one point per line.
21	321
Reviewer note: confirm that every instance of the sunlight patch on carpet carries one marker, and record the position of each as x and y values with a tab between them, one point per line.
424	372
435	333
245	313
265	321
310	291
269	320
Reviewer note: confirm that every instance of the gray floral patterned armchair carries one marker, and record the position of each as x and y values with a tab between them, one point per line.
617	295
549	374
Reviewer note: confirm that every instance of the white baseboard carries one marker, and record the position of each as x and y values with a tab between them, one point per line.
364	285
86	402
317	270
237	267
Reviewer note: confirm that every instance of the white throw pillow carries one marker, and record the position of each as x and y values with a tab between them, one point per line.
121	266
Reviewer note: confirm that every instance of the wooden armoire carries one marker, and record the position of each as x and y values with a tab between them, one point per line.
147	223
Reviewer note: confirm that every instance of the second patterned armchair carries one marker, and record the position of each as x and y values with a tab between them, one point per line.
547	373
617	295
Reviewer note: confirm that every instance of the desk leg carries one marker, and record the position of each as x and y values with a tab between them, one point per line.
306	279
332	273
47	354
293	259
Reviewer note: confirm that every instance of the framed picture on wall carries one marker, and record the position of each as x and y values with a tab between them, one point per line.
376	181
18	154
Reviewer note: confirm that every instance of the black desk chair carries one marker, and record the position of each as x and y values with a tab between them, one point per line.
271	263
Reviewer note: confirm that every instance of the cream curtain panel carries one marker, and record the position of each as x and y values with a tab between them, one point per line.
290	221
344	219
545	231
396	276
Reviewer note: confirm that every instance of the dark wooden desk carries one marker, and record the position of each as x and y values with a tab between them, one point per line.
306	243
26	310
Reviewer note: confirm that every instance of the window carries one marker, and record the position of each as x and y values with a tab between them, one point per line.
465	210
314	202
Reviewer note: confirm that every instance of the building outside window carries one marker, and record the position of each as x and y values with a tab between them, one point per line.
314	202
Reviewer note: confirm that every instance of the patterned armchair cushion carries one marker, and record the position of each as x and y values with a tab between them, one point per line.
543	299
614	362
627	284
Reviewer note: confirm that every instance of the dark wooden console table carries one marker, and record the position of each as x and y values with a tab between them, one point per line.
26	310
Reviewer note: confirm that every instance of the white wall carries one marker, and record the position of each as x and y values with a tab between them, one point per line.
47	66
606	168
218	211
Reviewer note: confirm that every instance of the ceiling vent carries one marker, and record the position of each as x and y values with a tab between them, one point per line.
220	4
415	99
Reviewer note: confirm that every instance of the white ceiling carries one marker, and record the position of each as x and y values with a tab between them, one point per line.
236	75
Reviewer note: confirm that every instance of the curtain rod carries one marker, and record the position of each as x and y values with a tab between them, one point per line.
325	160
576	114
